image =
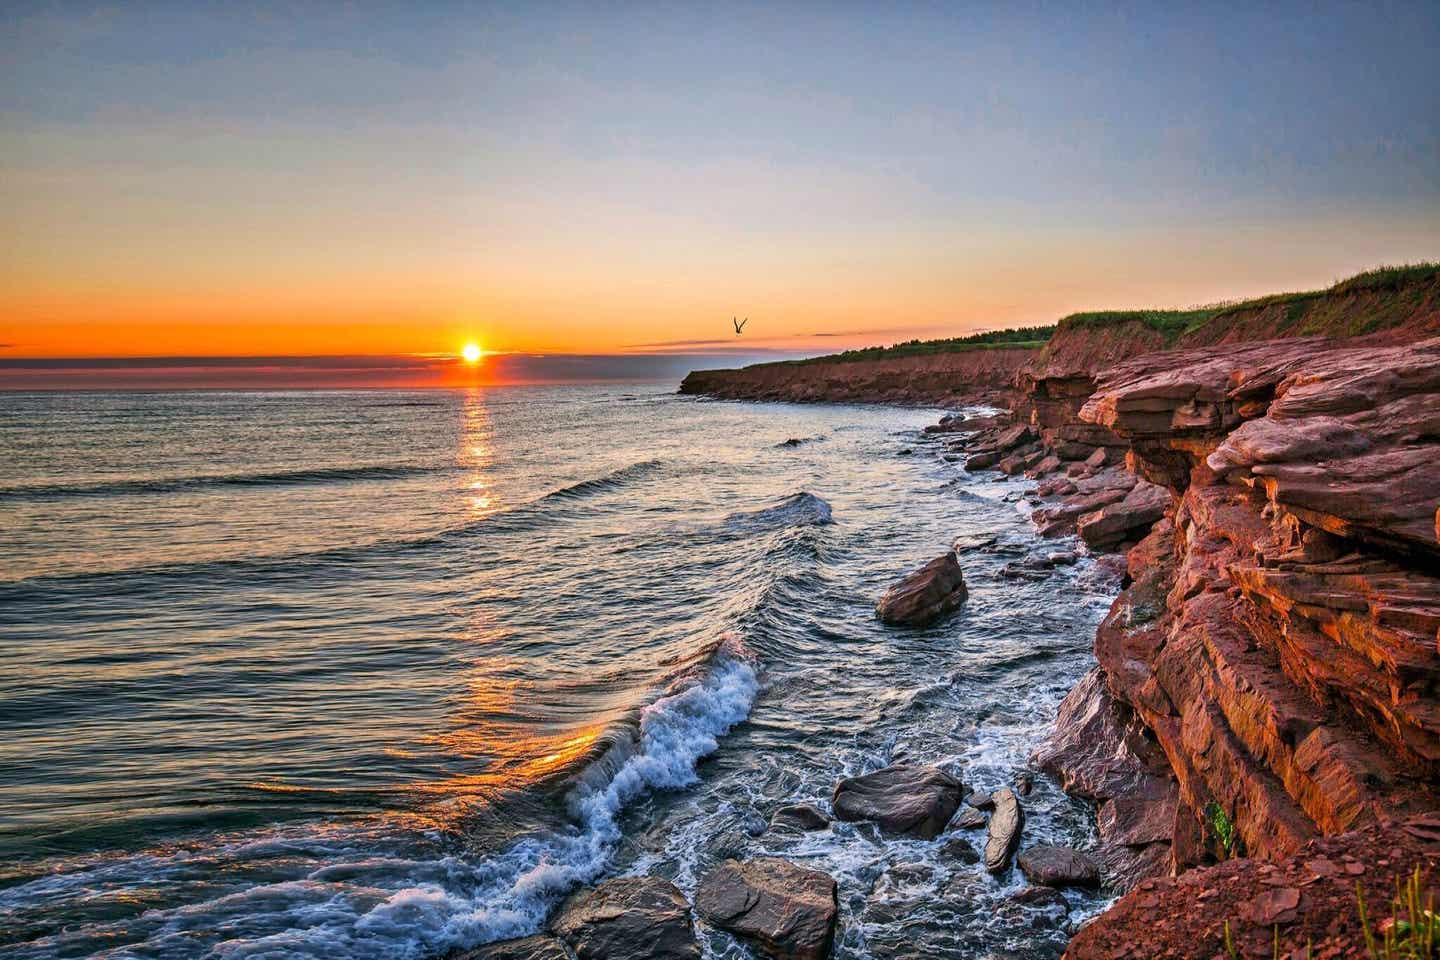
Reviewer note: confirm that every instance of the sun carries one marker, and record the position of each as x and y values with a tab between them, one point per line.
471	352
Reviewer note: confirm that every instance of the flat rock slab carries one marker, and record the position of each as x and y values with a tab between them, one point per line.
1056	866
785	910
1004	830
912	800
628	919
925	595
525	948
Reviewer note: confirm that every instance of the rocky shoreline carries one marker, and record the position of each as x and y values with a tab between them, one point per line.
1264	714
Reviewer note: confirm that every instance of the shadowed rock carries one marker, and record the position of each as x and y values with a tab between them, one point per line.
925	595
628	919
1056	866
968	818
916	801
525	948
784	909
1004	830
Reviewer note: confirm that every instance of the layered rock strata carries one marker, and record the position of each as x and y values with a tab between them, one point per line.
1277	640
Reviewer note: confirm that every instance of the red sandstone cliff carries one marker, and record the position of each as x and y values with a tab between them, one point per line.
932	379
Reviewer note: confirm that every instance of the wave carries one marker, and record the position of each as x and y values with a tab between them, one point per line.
517	888
286	565
610	481
798	441
798	508
284	478
325	891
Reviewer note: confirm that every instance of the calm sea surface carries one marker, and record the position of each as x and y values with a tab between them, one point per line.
377	675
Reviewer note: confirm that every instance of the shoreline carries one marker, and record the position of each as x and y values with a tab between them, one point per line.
1265	680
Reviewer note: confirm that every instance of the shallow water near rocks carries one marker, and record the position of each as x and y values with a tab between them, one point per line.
381	675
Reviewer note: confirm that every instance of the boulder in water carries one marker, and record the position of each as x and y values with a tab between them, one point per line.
631	918
1004	830
925	595
913	800
1050	865
784	909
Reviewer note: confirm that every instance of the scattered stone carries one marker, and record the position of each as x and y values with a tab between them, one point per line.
925	595
1273	907
786	910
799	816
629	918
1004	831
1056	866
1024	783
912	800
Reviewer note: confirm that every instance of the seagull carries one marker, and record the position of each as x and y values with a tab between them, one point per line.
739	327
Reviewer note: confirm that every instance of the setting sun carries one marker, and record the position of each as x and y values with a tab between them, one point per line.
471	352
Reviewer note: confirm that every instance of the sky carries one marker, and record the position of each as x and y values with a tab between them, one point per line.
365	180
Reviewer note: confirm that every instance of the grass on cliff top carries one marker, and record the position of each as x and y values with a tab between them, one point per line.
1173	324
1305	313
1022	338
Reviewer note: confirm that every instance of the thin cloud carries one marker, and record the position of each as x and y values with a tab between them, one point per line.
675	343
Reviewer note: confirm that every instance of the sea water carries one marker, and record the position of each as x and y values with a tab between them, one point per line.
382	674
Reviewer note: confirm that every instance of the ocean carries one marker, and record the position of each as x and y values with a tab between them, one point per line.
377	674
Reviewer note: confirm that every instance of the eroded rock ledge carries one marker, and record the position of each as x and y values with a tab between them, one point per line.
1269	674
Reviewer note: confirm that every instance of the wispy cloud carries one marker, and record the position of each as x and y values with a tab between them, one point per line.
676	343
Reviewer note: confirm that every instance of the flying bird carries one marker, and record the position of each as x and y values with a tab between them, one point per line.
739	327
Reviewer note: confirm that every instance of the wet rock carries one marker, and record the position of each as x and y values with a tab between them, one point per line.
1003	834
525	948
984	460
784	909
799	816
1056	866
912	800
1129	519
925	595
967	818
1024	783
628	919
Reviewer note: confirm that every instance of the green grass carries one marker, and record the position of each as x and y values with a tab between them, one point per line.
1389	278
1171	324
1022	338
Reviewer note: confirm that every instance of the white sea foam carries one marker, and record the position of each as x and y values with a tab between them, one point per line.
354	903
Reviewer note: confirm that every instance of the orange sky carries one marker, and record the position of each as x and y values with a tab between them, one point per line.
378	182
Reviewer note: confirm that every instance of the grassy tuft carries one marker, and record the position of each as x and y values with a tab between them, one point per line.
1411	932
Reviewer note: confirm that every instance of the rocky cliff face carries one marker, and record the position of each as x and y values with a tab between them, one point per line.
1279	638
936	379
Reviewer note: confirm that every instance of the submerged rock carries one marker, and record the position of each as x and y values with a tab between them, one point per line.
784	909
799	816
1051	865
913	800
925	595
628	919
1004	830
526	948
